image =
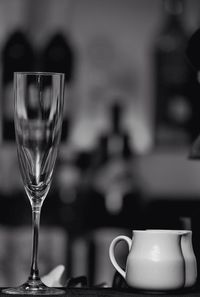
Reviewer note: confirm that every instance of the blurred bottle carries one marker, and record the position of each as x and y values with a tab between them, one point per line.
177	107
17	55
58	56
71	183
114	174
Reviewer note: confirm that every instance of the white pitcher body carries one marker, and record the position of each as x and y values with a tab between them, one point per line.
155	260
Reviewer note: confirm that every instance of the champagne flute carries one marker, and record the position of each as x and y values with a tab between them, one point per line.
38	112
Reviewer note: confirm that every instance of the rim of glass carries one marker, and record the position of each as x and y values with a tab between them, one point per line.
38	73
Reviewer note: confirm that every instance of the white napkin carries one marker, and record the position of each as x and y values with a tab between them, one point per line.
54	277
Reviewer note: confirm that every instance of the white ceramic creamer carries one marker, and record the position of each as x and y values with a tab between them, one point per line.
155	260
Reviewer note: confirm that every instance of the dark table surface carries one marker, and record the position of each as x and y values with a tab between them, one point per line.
125	292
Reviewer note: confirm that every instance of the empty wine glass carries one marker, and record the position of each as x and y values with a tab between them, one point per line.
38	112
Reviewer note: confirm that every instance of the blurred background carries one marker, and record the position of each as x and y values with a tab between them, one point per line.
132	112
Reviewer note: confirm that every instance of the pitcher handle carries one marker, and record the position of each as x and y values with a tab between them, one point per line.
113	244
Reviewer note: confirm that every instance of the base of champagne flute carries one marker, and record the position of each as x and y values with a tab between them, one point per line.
33	288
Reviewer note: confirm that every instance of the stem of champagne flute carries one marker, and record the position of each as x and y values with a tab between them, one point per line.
34	273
